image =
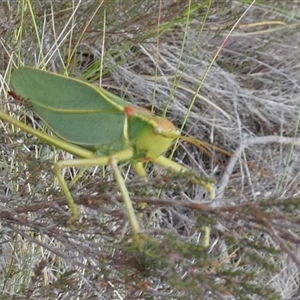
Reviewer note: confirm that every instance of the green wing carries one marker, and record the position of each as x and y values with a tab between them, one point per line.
76	111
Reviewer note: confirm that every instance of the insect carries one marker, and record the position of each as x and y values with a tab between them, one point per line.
96	126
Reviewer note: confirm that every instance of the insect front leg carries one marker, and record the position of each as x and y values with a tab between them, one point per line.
177	168
205	183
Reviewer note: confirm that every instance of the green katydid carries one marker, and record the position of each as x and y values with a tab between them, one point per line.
98	127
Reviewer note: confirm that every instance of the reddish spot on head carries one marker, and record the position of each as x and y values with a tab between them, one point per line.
135	110
129	110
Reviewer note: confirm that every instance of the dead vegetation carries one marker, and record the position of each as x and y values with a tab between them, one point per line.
156	54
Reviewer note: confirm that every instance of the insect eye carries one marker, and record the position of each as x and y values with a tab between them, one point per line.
158	130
